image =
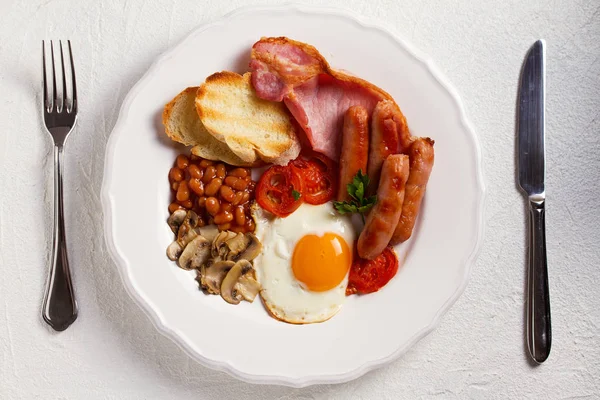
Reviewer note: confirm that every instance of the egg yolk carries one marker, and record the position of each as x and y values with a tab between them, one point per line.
321	262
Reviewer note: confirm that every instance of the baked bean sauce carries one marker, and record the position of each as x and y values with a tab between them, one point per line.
219	193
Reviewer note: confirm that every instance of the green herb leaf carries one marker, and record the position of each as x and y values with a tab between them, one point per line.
365	208
296	195
358	203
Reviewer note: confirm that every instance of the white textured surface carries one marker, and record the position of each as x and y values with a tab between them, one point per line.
112	350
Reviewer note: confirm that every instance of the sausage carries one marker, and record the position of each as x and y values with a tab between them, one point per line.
421	162
384	141
405	139
384	216
355	148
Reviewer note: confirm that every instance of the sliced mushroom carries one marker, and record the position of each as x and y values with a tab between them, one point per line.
210	232
192	218
176	219
236	245
218	248
248	287
196	253
252	250
243	247
186	229
229	292
174	251
188	237
214	275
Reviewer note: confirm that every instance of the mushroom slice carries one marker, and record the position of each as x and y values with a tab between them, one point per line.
229	292
218	248
214	275
189	236
192	218
174	251
248	287
243	247
210	232
236	245
176	219
196	253
186	229
253	248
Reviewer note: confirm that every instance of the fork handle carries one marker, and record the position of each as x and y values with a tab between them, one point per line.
539	331
59	308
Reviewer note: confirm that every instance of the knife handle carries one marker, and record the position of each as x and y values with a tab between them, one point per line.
539	330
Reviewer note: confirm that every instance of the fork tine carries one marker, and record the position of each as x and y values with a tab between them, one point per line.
46	104
74	85
54	91
64	78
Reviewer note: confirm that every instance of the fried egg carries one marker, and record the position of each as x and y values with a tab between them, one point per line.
304	264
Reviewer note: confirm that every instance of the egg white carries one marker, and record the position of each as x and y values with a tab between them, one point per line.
285	297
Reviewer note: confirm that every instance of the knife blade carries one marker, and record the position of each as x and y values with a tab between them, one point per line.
532	174
532	165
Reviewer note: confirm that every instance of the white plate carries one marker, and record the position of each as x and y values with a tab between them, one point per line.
243	340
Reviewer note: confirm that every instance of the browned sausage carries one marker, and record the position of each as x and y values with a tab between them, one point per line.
404	137
384	140
389	135
355	148
384	216
421	162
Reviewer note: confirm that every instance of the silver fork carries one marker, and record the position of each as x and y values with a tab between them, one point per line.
59	308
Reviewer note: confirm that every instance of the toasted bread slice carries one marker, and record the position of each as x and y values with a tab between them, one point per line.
252	128
183	125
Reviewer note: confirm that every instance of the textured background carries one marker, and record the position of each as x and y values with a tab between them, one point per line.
113	351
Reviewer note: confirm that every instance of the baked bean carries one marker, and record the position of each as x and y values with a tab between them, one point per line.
237	229
209	174
226	207
182	161
226	193
221	171
239	173
201	222
183	192
174	207
229	181
213	187
240	216
223	217
195	171
238	198
224	227
197	186
175	175
194	181
245	198
212	205
187	204
249	225
240	184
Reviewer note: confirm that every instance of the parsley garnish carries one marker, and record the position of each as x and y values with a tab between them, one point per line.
296	195
358	202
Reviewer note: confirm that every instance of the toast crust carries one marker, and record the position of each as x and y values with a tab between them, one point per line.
183	125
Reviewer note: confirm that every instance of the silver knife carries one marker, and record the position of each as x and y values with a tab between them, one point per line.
532	176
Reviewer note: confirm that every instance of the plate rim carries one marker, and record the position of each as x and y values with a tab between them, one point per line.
224	366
